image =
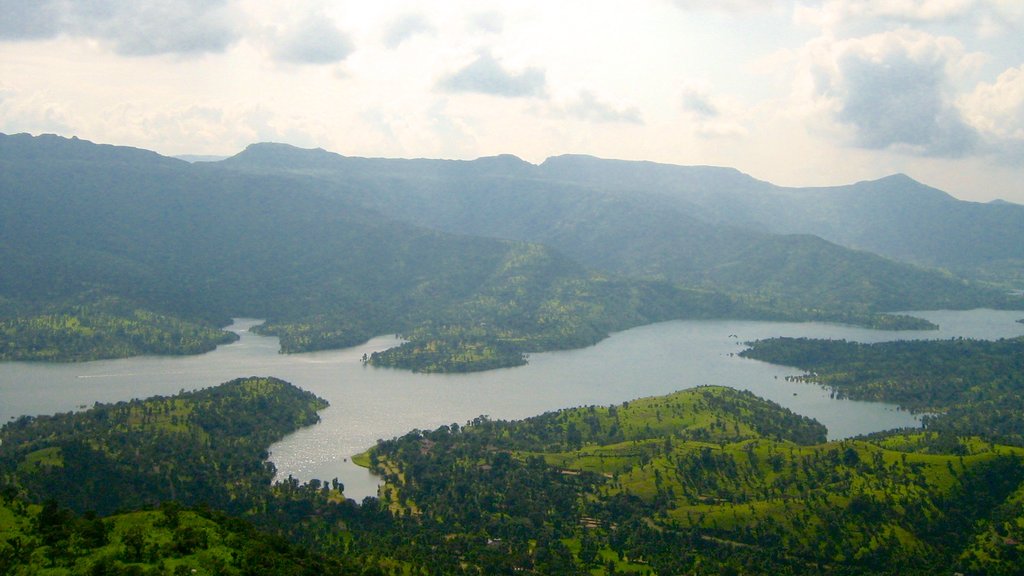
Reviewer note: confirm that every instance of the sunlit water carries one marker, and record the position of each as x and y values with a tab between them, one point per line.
370	403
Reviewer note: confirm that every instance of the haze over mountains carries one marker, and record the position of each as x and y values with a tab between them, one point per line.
896	216
484	259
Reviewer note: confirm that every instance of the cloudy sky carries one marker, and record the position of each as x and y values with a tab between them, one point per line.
809	92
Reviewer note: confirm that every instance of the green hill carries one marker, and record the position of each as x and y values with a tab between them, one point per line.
638	219
46	539
112	251
964	387
95	238
202	446
707	481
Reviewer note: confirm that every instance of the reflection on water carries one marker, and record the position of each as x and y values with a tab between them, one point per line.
369	403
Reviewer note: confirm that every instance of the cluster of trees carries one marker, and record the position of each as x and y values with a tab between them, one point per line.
704	481
171	540
107	328
672	503
202	446
965	387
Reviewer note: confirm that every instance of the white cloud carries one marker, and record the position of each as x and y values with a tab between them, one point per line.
895	90
698	102
485	75
404	27
998	108
313	40
709	116
492	21
586	106
725	5
136	28
990	16
35	113
208	128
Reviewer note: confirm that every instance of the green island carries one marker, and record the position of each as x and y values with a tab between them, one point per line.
962	386
709	480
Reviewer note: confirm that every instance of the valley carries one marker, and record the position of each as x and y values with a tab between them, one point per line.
571	384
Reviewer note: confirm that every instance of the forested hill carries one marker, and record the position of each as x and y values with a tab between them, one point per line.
635	218
896	216
95	240
201	446
112	251
703	481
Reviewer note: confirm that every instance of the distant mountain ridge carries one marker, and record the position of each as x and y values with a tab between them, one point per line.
94	236
695	225
896	216
476	262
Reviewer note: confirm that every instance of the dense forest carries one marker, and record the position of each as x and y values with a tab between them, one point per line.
203	446
111	251
107	327
707	481
680	222
965	387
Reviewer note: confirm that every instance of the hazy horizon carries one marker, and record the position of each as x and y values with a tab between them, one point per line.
811	93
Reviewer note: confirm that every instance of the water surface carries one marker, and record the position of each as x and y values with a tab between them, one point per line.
370	403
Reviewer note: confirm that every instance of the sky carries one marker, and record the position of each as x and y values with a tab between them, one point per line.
798	93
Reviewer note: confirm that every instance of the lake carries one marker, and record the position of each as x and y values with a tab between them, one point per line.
371	403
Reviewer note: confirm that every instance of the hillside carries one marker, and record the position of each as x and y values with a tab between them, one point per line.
706	481
896	216
168	485
202	446
964	387
113	251
691	225
96	237
52	540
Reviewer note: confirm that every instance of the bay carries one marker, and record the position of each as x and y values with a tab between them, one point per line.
370	403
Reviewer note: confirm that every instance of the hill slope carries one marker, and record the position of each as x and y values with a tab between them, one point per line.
634	218
708	480
86	224
896	216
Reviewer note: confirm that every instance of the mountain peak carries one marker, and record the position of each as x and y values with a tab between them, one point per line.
898	177
902	185
501	164
51	147
279	155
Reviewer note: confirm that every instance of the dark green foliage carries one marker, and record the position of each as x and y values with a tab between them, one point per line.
54	540
331	252
704	481
87	229
968	387
108	328
204	446
699	226
653	496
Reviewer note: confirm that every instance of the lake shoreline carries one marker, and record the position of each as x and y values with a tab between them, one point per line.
369	404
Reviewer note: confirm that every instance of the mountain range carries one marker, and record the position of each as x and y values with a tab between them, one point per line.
475	262
896	216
